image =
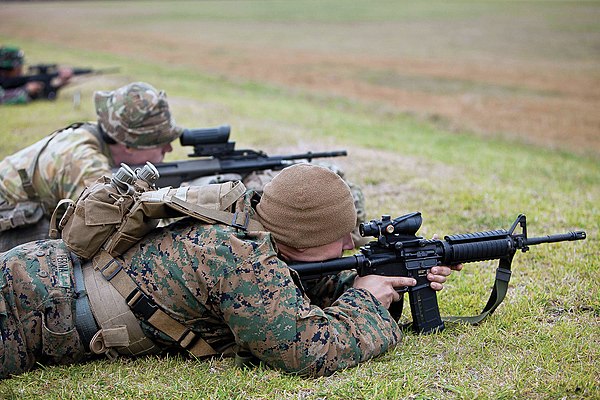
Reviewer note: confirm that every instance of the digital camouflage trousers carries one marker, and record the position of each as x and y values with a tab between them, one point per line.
37	308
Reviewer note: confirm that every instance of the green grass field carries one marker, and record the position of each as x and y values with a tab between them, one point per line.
543	342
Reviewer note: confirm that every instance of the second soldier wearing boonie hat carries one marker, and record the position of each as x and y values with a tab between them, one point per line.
131	119
136	115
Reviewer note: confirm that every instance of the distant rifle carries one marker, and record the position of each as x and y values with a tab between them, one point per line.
217	155
46	73
399	252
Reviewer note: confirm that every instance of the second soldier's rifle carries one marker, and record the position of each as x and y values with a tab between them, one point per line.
46	74
399	252
217	155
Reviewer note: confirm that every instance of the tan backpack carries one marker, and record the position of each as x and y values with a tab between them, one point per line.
115	213
111	216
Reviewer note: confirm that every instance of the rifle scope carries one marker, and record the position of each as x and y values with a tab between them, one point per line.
203	136
407	224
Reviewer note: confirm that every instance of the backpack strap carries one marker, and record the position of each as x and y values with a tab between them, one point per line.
112	270
239	219
120	331
26	175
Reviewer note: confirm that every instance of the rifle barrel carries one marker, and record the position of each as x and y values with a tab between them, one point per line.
563	237
310	155
98	71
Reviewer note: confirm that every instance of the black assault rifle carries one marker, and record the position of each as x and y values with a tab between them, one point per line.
46	73
399	252
217	155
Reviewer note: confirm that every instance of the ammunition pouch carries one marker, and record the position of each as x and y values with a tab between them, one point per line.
86	225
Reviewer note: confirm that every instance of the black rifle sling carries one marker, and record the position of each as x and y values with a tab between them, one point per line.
499	290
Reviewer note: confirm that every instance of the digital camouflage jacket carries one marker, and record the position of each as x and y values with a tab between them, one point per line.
220	282
229	286
14	96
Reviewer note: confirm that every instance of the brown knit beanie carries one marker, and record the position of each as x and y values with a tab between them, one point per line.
306	205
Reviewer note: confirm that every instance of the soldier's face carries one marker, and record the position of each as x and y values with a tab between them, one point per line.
320	253
154	155
336	249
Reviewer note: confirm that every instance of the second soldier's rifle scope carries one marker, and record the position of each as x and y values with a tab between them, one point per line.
214	154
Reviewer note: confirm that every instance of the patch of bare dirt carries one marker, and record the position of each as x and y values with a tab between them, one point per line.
551	102
551	109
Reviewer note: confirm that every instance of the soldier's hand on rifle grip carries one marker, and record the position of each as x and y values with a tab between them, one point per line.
438	275
383	287
64	76
34	88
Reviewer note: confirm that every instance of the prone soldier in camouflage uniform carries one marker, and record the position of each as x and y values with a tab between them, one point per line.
134	126
226	287
11	66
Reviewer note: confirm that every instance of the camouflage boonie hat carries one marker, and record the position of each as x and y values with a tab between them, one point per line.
136	115
11	57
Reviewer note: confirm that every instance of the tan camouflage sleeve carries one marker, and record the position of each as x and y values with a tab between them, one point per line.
79	168
269	316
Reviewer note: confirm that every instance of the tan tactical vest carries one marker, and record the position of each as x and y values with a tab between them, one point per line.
111	216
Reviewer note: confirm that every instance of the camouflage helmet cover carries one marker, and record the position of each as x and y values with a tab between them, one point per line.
136	115
11	57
